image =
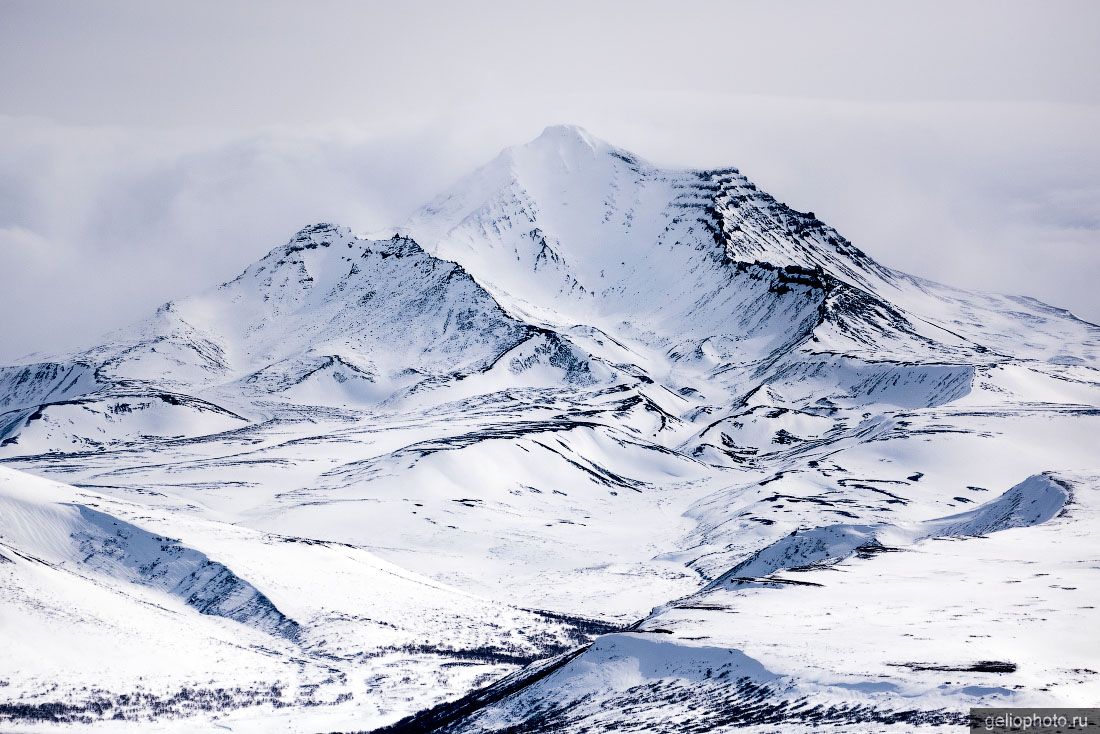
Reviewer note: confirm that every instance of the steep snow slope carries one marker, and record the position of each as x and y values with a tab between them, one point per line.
386	304
63	535
578	393
571	232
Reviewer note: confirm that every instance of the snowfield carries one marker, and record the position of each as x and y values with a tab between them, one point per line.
584	445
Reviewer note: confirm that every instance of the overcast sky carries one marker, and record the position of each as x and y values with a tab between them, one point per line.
151	149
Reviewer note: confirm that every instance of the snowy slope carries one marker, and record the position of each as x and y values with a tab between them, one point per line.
832	627
586	434
114	614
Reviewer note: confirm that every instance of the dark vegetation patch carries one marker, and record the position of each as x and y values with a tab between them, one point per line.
982	666
88	706
717	703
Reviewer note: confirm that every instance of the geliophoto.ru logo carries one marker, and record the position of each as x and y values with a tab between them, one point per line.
1034	720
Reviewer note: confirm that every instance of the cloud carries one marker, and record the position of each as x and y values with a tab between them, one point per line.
104	224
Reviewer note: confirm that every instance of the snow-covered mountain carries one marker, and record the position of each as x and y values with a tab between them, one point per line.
584	435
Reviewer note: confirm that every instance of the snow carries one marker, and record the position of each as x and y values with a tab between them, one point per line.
594	433
248	612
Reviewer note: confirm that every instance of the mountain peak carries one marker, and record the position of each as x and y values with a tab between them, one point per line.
568	145
397	246
566	135
321	234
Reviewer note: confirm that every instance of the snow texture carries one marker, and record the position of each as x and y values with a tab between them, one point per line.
584	445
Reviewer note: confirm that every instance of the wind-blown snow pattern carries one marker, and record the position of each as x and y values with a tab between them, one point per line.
584	445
